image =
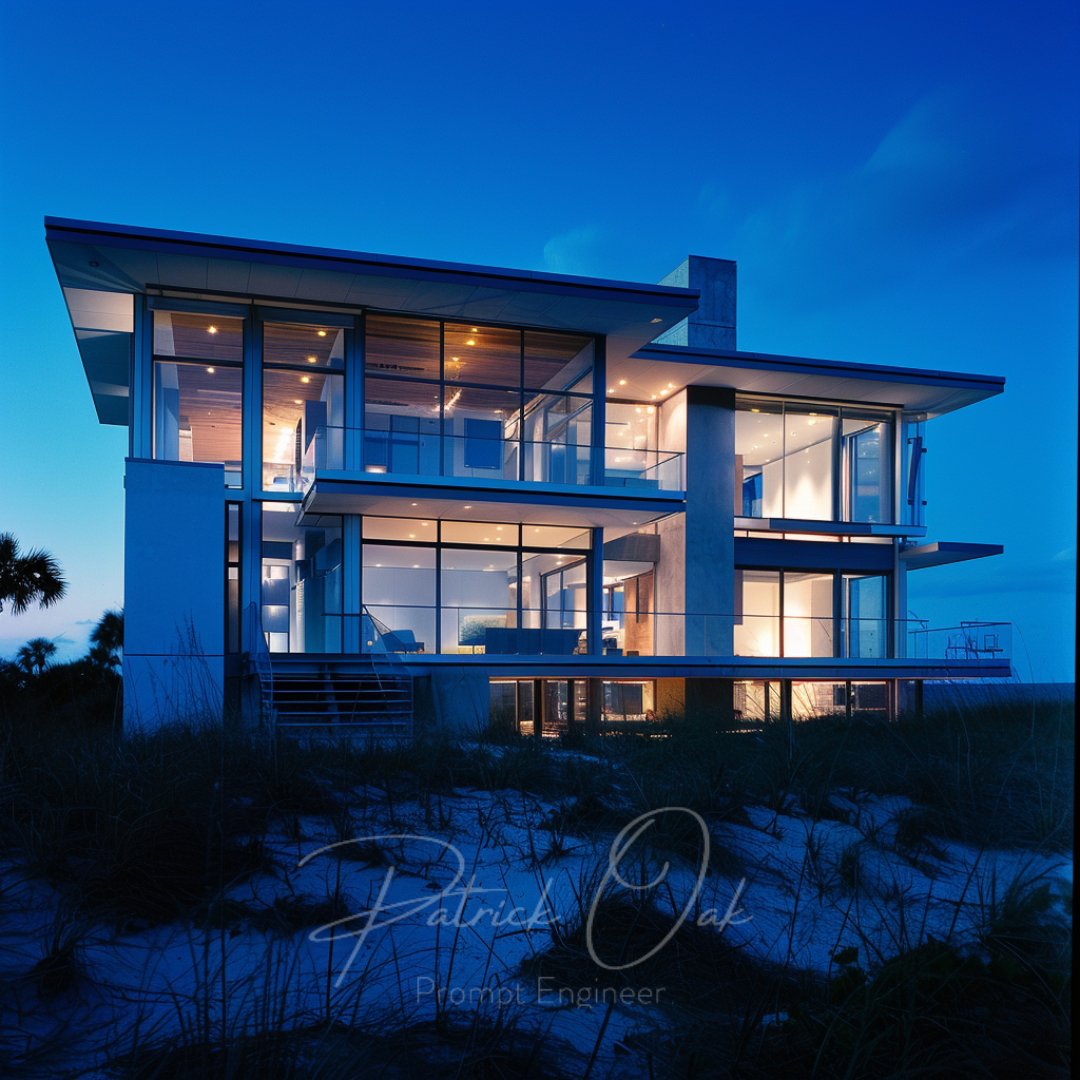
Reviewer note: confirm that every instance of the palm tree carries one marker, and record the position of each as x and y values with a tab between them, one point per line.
107	639
34	656
27	578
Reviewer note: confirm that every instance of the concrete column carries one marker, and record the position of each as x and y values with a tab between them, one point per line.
709	598
594	594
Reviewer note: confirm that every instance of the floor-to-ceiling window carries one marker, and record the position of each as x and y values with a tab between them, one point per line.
198	389
303	401
475	587
814	462
865	615
796	613
473	400
301	581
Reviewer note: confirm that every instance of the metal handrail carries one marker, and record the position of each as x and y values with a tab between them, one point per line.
259	657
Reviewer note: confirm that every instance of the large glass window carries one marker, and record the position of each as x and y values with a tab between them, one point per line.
757	620
199	337
864	626
478	599
808	614
452	399
399	595
301	581
198	415
469	587
813	462
868	459
809	439
198	390
793	613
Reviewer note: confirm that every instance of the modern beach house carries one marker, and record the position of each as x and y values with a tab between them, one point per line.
366	490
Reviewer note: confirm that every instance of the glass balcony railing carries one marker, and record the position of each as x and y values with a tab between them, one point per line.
480	457
968	641
512	631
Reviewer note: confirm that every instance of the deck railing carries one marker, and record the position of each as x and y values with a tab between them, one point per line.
400	630
484	457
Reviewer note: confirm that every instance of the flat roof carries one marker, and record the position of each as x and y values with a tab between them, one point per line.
100	265
915	389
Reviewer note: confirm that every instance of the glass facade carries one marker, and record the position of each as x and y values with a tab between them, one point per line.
457	399
480	402
198	379
806	613
814	462
303	400
301	580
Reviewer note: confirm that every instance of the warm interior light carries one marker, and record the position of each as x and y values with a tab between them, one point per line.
209	371
322	333
312	359
622	382
211	329
611	389
305	378
297	401
652	409
468	507
470	341
755	410
656	319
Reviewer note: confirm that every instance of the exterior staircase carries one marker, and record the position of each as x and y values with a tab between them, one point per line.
368	695
332	695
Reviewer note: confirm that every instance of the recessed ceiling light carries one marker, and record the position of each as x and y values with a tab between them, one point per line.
305	378
470	341
211	329
653	397
474	329
755	410
656	319
209	371
312	359
424	524
468	507
412	536
652	409
664	391
322	333
622	382
297	401
488	538
611	389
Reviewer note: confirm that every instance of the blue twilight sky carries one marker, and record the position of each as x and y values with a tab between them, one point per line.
898	182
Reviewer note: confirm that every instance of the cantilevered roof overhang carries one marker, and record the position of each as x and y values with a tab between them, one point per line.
97	263
668	368
387	495
943	552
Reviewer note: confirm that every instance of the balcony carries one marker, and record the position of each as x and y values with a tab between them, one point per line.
347	470
716	643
